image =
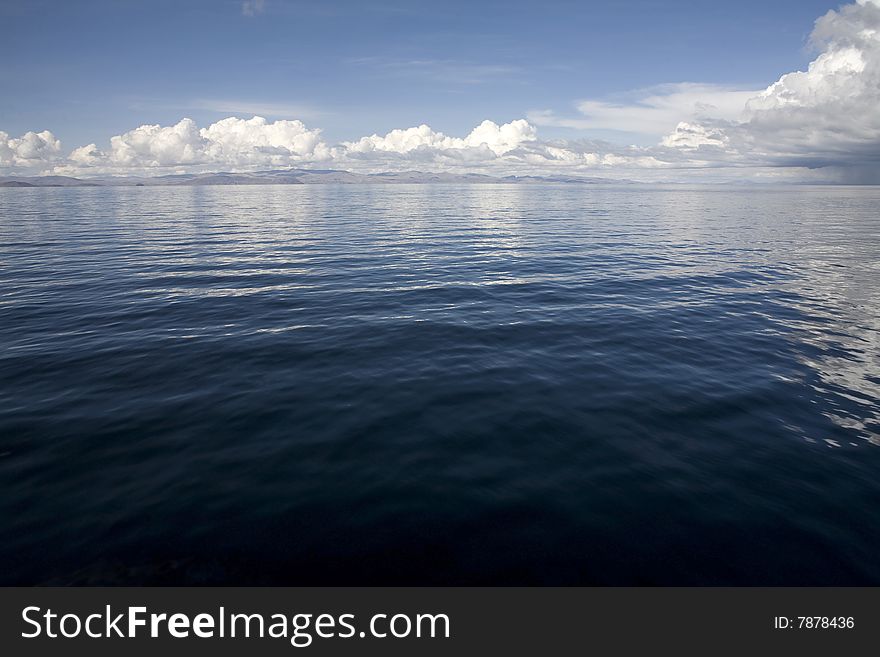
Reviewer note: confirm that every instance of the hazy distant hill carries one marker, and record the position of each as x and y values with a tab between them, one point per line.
288	177
45	181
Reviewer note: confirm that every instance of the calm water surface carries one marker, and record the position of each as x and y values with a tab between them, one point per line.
440	385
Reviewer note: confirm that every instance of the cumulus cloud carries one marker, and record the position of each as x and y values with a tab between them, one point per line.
32	149
88	155
691	136
232	143
502	149
499	139
833	107
236	144
826	116
256	141
158	146
240	144
823	118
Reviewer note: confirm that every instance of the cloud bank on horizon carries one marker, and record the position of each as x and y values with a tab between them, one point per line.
822	123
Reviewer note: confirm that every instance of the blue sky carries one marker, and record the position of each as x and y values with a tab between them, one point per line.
654	85
90	69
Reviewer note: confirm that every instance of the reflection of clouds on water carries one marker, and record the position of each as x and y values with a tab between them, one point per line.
748	289
571	366
835	288
803	261
838	290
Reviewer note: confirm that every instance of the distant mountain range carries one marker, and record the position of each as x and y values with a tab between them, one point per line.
289	177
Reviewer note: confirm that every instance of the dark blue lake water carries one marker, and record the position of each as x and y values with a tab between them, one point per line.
541	384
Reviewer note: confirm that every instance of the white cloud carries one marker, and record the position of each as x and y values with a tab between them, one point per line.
499	139
401	141
653	111
241	142
231	143
88	155
504	138
691	136
510	148
32	149
158	146
826	116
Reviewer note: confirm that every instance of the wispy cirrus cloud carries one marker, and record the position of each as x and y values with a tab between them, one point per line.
259	108
654	111
253	7
269	107
446	71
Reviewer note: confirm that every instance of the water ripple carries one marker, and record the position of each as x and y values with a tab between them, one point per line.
440	384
